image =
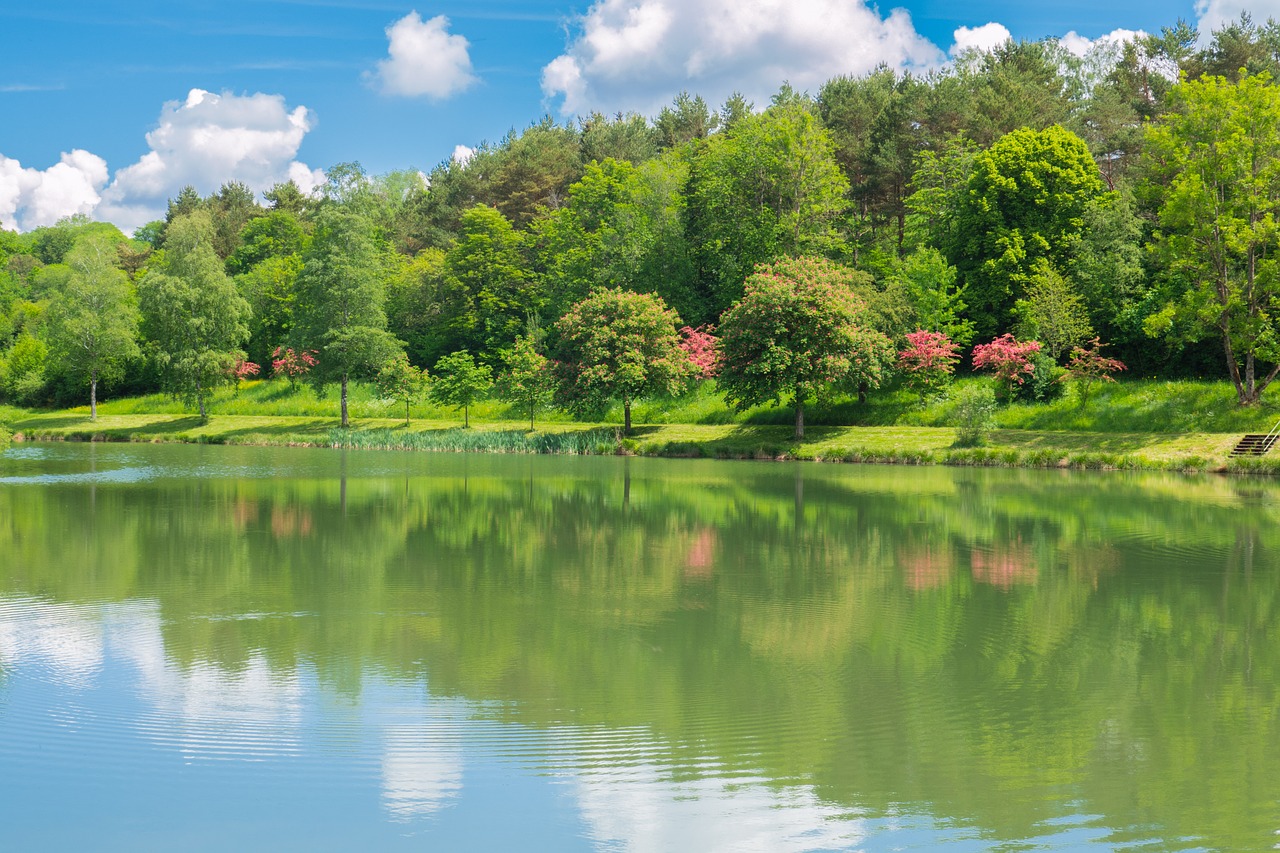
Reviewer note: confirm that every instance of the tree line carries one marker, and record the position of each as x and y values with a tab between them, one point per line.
1125	199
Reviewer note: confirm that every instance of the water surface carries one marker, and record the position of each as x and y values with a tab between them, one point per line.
207	648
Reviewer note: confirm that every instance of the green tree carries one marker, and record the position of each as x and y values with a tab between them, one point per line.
401	381
193	319
618	345
1052	312
1025	201
768	187
93	322
527	380
1215	163
488	264
927	285
459	381
340	308
799	331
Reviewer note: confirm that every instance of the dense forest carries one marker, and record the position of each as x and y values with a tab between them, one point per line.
1128	196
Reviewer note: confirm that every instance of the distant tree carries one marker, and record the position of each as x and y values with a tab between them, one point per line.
401	381
799	330
291	364
1009	358
1052	312
770	187
339	311
527	380
493	279
927	285
618	345
928	361
1088	366
459	381
193	319
93	322
703	349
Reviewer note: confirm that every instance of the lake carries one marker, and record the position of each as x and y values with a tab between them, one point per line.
254	648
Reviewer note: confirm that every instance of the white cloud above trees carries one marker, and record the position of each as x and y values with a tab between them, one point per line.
203	141
424	60
635	54
987	37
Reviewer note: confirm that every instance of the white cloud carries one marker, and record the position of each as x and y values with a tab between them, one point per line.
1111	42
424	59
1213	15
462	154
30	198
987	37
635	54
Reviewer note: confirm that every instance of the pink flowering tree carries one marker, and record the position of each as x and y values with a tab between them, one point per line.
1087	366
928	361
1009	357
293	365
702	347
246	369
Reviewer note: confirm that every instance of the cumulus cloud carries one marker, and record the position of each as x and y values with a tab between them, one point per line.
1213	15
987	37
634	54
424	60
1111	42
30	198
205	141
462	154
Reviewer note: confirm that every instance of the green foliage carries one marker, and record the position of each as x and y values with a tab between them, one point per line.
193	319
458	381
1024	203
493	297
973	411
799	330
926	284
617	344
768	187
1215	169
401	381
1044	383
22	371
527	380
341	294
93	323
1052	312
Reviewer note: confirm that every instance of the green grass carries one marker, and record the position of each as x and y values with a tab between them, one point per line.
1132	424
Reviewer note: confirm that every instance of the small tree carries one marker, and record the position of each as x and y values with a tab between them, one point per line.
401	381
616	344
702	348
528	381
928	361
1053	312
459	381
1009	358
975	408
800	329
1088	365
294	365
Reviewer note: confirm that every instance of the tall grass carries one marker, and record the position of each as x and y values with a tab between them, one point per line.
601	441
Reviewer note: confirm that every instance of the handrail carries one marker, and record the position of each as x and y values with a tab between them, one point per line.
1270	437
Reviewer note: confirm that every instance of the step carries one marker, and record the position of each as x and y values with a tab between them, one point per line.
1254	445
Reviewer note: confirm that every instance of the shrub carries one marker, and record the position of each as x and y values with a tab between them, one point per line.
975	407
1044	383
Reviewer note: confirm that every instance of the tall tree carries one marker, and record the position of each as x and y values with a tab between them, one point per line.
341	297
767	188
800	331
93	322
1215	160
339	310
193	318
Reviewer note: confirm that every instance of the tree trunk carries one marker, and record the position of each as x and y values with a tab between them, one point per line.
626	416
93	397
531	405
406	411
862	393
799	419
345	421
200	402
466	416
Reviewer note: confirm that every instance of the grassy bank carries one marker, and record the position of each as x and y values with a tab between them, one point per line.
1187	426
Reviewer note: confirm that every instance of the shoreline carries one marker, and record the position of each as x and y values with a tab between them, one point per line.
902	445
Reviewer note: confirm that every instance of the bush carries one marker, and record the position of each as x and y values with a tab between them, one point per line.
1045	382
975	408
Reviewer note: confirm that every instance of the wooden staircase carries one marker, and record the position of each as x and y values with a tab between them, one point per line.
1256	445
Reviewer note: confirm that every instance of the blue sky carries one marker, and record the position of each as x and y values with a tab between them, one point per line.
104	112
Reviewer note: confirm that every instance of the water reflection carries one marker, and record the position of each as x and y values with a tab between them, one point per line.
696	655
